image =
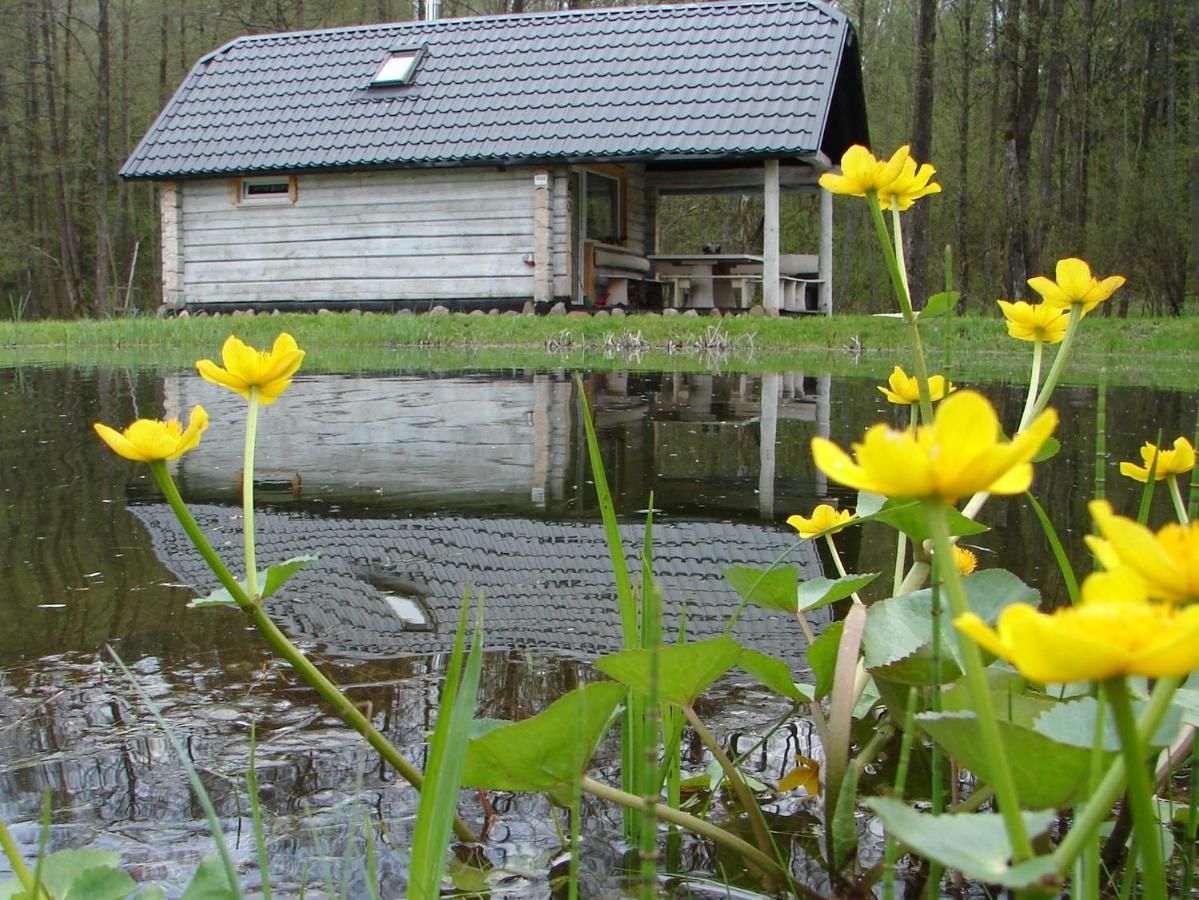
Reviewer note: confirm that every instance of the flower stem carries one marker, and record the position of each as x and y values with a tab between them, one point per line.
247	494
896	267
1034	383
1180	508
1099	806
756	820
329	692
1000	775
1140	792
692	823
838	564
1059	361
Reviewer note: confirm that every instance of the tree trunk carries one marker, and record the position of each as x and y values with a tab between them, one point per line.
922	149
965	61
1193	140
103	282
68	248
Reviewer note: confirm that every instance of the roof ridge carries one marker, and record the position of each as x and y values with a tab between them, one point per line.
565	14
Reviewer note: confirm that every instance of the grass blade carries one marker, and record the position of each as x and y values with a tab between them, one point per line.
1055	544
193	777
447	756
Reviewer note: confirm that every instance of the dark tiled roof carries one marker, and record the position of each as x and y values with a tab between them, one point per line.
740	78
547	585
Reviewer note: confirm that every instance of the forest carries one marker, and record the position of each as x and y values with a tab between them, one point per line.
1057	127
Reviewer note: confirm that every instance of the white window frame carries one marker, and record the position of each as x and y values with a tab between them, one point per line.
399	67
243	195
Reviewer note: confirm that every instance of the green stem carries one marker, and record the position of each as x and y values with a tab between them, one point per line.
980	695
1100	805
1191	827
247	494
838	564
14	859
256	817
756	820
281	645
693	824
1140	791
1059	361
891	852
899	283
1180	508
1034	383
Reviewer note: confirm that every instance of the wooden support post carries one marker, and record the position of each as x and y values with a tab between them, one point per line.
171	212
826	252
543	272
770	239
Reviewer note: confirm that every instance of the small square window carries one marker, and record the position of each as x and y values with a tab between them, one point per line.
267	190
398	68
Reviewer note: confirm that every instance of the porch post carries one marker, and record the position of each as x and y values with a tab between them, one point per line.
826	252
170	211
770	238
543	275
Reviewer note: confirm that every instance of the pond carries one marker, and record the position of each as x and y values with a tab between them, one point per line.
410	486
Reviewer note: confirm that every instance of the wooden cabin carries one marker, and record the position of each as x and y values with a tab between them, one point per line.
489	161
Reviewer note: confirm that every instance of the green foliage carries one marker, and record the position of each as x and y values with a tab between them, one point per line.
684	670
79	875
271	579
774	674
547	753
447	759
976	844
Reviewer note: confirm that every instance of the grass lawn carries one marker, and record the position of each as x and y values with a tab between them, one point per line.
1154	352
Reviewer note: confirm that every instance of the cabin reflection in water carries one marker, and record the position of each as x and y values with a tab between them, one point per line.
411	488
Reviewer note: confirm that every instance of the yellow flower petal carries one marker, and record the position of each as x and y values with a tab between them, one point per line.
247	369
824	519
151	440
1075	285
959	454
1169	567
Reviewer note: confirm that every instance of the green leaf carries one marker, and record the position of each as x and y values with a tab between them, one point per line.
939	304
1187	702
976	845
822	657
908	517
210	881
869	504
271	579
774	674
1073	723
548	752
684	670
768	588
901	627
276	576
818	592
101	883
62	868
1048	774
1051	448
843	835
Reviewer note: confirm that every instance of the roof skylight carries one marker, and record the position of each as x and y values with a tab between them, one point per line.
398	68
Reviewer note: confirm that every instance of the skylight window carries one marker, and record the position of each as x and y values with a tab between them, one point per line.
398	68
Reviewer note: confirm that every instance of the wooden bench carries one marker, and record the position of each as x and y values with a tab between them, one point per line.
625	276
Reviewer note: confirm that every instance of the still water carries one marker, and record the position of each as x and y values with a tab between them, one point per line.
410	486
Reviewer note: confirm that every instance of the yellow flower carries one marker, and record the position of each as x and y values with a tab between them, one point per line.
151	440
806	775
1167	562
246	368
1114	631
958	455
904	390
964	559
1041	322
910	186
1169	462
861	172
824	517
1075	284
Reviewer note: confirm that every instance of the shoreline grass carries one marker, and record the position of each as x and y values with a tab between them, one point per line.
1152	352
